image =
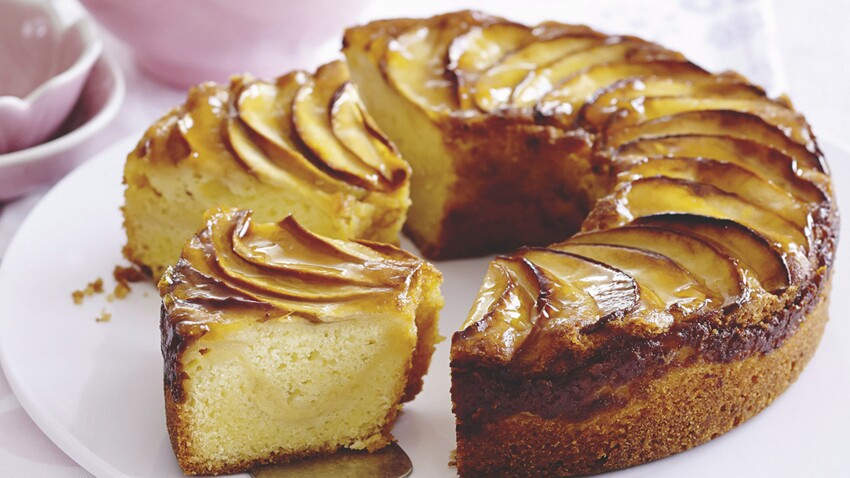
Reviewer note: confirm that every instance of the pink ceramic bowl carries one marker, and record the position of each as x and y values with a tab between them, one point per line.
24	171
189	41
43	66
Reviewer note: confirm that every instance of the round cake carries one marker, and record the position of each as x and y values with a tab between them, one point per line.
683	225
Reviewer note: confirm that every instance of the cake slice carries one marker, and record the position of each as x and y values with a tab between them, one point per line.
280	343
302	145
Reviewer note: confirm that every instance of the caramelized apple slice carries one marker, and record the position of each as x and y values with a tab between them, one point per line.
674	287
772	164
578	295
503	313
311	116
267	110
568	97
734	124
613	291
414	65
649	196
546	77
494	88
710	266
779	115
726	177
751	249
620	95
355	129
477	50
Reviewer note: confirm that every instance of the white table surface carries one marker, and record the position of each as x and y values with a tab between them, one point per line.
799	47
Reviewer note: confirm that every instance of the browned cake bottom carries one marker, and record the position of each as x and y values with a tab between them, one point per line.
682	409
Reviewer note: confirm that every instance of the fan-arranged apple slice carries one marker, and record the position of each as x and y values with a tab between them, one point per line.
735	124
598	109
665	284
564	102
503	313
494	88
356	130
580	294
787	120
312	117
727	177
477	50
659	195
770	163
415	65
546	77
713	268
748	247
261	135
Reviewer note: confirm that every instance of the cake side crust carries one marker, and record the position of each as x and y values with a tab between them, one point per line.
686	407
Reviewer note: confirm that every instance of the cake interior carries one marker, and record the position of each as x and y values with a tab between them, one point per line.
418	139
292	387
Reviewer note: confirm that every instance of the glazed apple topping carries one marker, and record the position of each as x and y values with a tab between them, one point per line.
716	186
278	270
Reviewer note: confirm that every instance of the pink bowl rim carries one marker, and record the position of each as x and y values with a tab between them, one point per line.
90	53
84	131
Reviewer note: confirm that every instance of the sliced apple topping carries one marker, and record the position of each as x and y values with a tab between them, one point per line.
734	124
503	313
284	267
786	120
659	195
312	117
623	94
205	111
770	163
747	246
710	266
263	136
414	64
577	294
495	87
477	50
565	101
544	78
355	129
672	287
727	177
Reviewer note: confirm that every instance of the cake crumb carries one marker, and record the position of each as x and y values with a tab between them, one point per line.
123	277
92	288
104	316
453	458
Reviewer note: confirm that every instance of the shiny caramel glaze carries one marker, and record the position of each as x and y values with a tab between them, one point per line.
236	271
713	241
300	130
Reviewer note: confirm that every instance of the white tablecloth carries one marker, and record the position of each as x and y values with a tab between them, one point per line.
754	37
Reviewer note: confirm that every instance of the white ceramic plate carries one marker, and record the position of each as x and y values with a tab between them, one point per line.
96	388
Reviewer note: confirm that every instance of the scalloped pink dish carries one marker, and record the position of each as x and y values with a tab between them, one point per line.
24	171
43	67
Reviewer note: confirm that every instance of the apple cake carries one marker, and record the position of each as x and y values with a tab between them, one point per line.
302	145
689	218
280	343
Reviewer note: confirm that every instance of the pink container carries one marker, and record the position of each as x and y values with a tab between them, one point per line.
184	42
43	66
